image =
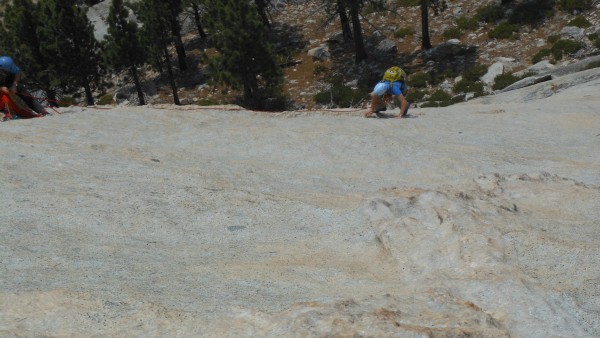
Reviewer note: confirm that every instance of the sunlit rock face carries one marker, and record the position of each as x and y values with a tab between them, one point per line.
478	219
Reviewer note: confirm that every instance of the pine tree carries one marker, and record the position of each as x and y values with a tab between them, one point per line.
196	9
70	45
154	37
174	9
20	40
349	13
123	49
437	6
360	52
245	58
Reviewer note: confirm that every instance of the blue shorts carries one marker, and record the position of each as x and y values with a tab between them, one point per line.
395	89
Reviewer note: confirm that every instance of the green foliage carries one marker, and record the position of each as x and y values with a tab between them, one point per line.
74	52
374	7
467	23
419	80
320	69
415	95
597	43
553	38
408	3
439	98
404	32
245	58
452	33
531	12
565	47
579	21
489	13
106	99
539	56
593	36
504	80
594	64
440	95
575	5
475	72
20	20
208	102
504	30
339	95
469	86
123	49
439	77
67	101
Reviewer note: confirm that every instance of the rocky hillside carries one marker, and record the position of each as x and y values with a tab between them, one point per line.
317	54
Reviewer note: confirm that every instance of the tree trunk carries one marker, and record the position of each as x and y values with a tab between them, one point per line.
197	20
176	33
171	77
425	42
138	86
344	21
51	95
262	11
88	94
359	44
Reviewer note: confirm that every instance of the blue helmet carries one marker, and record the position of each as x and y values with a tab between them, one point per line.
7	63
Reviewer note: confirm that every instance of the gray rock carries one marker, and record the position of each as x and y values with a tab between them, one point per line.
529	81
386	47
540	67
493	71
222	222
321	53
572	32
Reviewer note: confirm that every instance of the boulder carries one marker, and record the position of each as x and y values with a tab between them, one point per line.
386	47
493	71
529	81
572	32
321	53
540	67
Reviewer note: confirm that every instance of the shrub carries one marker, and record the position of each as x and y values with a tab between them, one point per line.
408	3
597	43
579	21
592	36
67	101
419	80
319	69
404	32
531	12
575	5
475	72
469	86
504	30
594	64
467	23
440	96
539	56
565	47
504	80
452	33
208	102
489	13
339	95
105	100
553	38
446	74
414	95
